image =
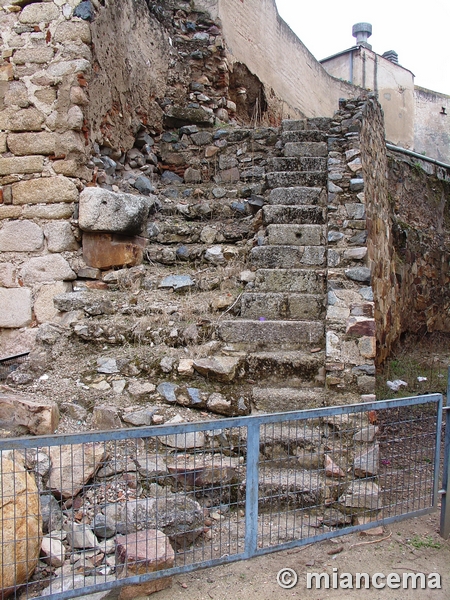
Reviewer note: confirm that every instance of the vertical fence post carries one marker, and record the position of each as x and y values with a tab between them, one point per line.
445	505
251	489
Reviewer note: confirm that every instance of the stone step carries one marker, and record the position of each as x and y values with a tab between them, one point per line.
297	163
287	215
293	125
296	235
282	399
284	306
298	195
293	487
321	123
254	335
288	257
296	178
306	149
274	366
306	281
304	136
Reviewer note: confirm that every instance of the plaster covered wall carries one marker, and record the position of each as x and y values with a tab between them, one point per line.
393	84
255	34
432	124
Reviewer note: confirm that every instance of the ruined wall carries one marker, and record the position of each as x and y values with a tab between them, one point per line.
432	124
255	35
350	323
46	63
421	244
380	243
408	239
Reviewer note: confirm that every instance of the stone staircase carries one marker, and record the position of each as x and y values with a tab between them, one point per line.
281	326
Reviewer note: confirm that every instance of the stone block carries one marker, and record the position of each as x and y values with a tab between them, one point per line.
45	190
21	236
26	164
293	214
70	143
281	306
46	95
15	341
2	143
10	212
73	466
15	307
21	526
140	553
314	256
75	118
6	72
40	55
102	210
72	31
68	67
47	211
46	269
60	237
296	178
177	116
72	168
304	136
78	96
229	176
221	368
23	144
270	334
44	308
367	347
39	418
296	235
8	275
26	119
277	257
290	280
305	149
360	326
106	250
33	14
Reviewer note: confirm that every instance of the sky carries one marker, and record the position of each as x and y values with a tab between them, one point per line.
417	31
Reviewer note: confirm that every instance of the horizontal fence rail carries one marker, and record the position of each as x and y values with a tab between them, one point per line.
90	512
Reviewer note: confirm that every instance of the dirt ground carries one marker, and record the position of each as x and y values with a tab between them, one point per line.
409	546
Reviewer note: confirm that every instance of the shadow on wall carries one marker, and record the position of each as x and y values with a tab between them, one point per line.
247	91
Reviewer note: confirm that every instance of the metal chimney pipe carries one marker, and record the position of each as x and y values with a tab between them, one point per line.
362	32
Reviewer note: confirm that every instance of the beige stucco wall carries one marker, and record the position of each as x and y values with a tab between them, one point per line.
432	127
393	83
256	35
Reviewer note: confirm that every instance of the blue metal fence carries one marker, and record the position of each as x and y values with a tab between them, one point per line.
206	493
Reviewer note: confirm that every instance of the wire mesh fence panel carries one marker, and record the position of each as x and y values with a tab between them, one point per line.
8	364
129	508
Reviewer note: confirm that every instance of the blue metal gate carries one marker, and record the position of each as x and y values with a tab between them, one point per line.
124	507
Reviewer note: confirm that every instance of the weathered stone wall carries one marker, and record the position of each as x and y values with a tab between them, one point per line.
350	323
380	242
421	244
46	63
408	238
